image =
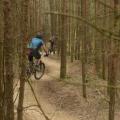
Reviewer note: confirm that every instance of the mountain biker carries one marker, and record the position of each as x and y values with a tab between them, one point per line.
52	44
34	46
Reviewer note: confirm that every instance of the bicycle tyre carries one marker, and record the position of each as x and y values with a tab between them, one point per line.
28	73
41	71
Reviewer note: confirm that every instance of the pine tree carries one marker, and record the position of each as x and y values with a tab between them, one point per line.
24	31
8	57
1	61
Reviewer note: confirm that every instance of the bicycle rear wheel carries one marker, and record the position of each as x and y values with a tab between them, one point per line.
39	71
28	73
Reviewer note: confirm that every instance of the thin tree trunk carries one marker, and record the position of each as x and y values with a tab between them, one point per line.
8	38
63	42
113	60
97	42
24	31
103	48
83	3
1	61
52	8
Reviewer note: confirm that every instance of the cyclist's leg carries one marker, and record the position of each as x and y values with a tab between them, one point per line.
54	49
37	56
30	59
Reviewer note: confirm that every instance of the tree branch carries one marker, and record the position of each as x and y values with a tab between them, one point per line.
102	31
39	105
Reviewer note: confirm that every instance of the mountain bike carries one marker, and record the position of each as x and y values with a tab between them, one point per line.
37	70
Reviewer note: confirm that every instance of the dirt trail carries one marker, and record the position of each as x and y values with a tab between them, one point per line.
44	94
62	101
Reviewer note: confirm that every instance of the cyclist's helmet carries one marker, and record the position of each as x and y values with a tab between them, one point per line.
39	36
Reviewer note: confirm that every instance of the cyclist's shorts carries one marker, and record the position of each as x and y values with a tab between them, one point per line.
34	53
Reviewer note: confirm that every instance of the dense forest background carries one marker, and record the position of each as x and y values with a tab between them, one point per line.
87	31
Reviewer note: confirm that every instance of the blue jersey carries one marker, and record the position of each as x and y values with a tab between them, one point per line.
35	43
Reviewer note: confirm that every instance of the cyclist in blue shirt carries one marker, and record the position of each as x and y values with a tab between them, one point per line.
34	46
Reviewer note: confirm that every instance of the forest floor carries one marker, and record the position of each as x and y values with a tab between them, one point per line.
62	99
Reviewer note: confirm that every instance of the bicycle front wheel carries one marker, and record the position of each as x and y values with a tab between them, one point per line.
39	71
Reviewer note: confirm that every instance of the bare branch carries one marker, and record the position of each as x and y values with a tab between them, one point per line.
39	105
107	33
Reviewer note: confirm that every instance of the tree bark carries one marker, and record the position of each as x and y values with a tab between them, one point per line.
1	61
24	31
8	38
113	60
83	5
63	42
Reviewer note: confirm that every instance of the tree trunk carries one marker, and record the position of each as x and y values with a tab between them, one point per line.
83	5
8	38
24	31
113	60
63	42
1	61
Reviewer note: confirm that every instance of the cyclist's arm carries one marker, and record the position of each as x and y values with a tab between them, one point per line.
45	49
